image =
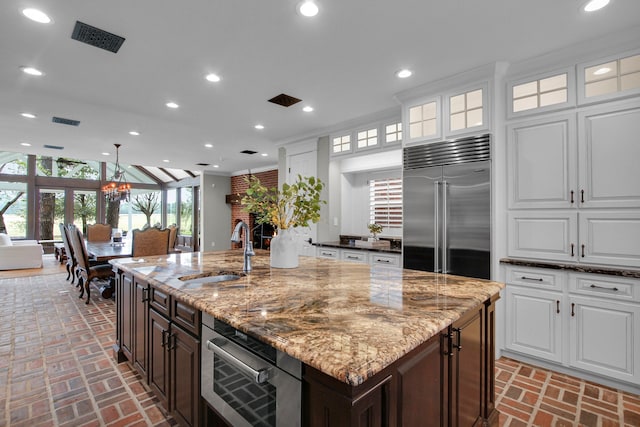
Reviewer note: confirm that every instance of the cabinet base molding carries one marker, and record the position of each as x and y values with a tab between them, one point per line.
608	382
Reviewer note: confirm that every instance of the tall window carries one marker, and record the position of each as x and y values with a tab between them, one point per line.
172	206
186	210
385	202
13	209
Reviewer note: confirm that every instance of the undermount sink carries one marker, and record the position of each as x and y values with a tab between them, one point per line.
209	278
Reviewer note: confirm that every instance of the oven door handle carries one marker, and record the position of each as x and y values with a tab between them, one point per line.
260	376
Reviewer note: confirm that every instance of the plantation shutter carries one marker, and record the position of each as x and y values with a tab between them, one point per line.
385	202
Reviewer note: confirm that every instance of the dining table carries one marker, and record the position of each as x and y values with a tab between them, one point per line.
102	252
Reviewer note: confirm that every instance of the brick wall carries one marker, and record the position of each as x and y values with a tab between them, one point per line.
239	186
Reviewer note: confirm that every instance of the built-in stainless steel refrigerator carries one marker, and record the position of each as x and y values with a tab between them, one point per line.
447	207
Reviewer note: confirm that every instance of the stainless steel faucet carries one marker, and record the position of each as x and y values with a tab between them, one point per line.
248	246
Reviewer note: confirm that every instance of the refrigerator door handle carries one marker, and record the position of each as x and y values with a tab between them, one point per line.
436	227
445	214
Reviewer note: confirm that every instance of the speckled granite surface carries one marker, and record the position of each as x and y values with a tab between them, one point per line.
581	268
347	246
346	319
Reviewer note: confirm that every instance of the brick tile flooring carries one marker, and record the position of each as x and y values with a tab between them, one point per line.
57	369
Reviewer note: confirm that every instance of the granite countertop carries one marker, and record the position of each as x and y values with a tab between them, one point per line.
345	319
337	244
581	268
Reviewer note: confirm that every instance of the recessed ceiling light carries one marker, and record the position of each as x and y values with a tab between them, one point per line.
264	154
307	109
259	127
308	8
166	160
213	77
216	166
28	115
105	154
31	71
208	145
36	15
601	71
172	104
404	73
134	133
25	144
593	5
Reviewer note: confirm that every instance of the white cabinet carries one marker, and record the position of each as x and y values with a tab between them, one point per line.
331	253
542	163
354	256
380	258
609	153
590	237
535	322
583	322
551	235
603	338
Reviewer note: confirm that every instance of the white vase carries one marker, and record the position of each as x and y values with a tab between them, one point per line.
284	249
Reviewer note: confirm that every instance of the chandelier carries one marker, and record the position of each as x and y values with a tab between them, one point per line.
118	189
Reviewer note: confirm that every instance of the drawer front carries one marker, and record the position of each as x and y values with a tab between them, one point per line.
536	277
186	316
605	286
355	256
160	301
328	253
385	259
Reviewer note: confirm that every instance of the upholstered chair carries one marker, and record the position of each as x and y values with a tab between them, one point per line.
98	233
86	272
149	242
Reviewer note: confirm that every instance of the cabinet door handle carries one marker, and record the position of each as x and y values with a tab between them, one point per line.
581	196
573	306
164	339
145	295
572	251
449	349
382	260
353	257
535	279
571	196
169	346
327	254
582	246
458	338
558	306
603	287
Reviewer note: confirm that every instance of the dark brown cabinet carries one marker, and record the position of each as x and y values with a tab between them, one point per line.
447	381
160	337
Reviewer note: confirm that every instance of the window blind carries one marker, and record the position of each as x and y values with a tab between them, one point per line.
385	202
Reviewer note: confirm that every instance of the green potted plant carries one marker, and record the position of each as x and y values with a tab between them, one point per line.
293	205
374	229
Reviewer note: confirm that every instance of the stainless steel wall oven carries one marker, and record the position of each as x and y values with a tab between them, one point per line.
248	382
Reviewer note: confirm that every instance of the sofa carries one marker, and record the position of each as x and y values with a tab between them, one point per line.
19	254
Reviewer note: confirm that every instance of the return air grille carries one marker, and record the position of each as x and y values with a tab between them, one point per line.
88	34
284	100
248	152
53	147
463	150
64	121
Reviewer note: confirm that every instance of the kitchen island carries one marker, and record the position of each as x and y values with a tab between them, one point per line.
378	345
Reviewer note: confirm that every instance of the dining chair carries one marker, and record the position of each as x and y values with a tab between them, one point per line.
151	241
173	237
98	232
71	263
86	272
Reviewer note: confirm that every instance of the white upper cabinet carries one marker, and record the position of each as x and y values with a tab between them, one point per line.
611	238
467	111
542	163
541	93
609	151
609	78
422	120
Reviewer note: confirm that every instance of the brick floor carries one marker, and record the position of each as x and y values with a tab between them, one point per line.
57	369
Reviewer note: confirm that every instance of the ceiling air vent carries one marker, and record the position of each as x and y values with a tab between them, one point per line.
284	100
63	121
53	147
203	164
248	152
85	33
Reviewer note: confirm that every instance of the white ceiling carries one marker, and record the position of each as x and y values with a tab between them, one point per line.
341	62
